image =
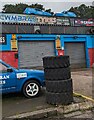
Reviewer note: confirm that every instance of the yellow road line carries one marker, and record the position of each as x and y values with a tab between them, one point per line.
83	96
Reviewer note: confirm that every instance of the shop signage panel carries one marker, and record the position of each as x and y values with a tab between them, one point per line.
17	18
2	39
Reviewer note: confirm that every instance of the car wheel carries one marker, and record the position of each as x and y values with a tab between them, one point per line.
31	89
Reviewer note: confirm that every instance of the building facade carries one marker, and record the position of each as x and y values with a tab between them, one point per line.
23	45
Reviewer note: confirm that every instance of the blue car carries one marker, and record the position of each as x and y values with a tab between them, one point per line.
29	82
65	14
36	11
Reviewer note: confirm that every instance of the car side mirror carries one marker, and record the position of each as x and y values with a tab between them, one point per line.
9	70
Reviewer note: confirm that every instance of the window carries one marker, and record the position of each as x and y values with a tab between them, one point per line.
3	68
40	20
44	20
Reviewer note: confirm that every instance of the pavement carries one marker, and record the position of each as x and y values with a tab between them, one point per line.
83	82
75	110
17	107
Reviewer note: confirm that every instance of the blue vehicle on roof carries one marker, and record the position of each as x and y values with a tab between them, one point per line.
65	14
29	82
36	11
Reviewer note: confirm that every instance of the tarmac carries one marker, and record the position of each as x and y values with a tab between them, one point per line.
76	110
80	108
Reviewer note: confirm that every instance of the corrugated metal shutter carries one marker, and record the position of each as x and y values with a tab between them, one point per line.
76	51
32	52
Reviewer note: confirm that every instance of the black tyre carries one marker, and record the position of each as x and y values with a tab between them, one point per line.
57	74
59	98
31	89
56	62
59	86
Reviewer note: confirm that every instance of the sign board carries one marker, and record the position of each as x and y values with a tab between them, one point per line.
60	52
17	18
58	44
2	39
63	21
84	22
35	19
14	46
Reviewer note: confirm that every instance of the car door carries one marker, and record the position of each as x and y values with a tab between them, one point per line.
7	79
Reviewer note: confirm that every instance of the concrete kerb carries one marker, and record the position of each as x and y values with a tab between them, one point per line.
75	107
58	110
36	114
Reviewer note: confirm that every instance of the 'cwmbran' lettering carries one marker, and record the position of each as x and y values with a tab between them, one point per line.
4	77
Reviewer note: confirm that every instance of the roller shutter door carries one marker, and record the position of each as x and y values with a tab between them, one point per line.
32	52
76	51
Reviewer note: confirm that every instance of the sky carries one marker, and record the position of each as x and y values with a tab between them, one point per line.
54	5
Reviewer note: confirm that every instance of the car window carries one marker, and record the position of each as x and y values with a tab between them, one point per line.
38	9
3	68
